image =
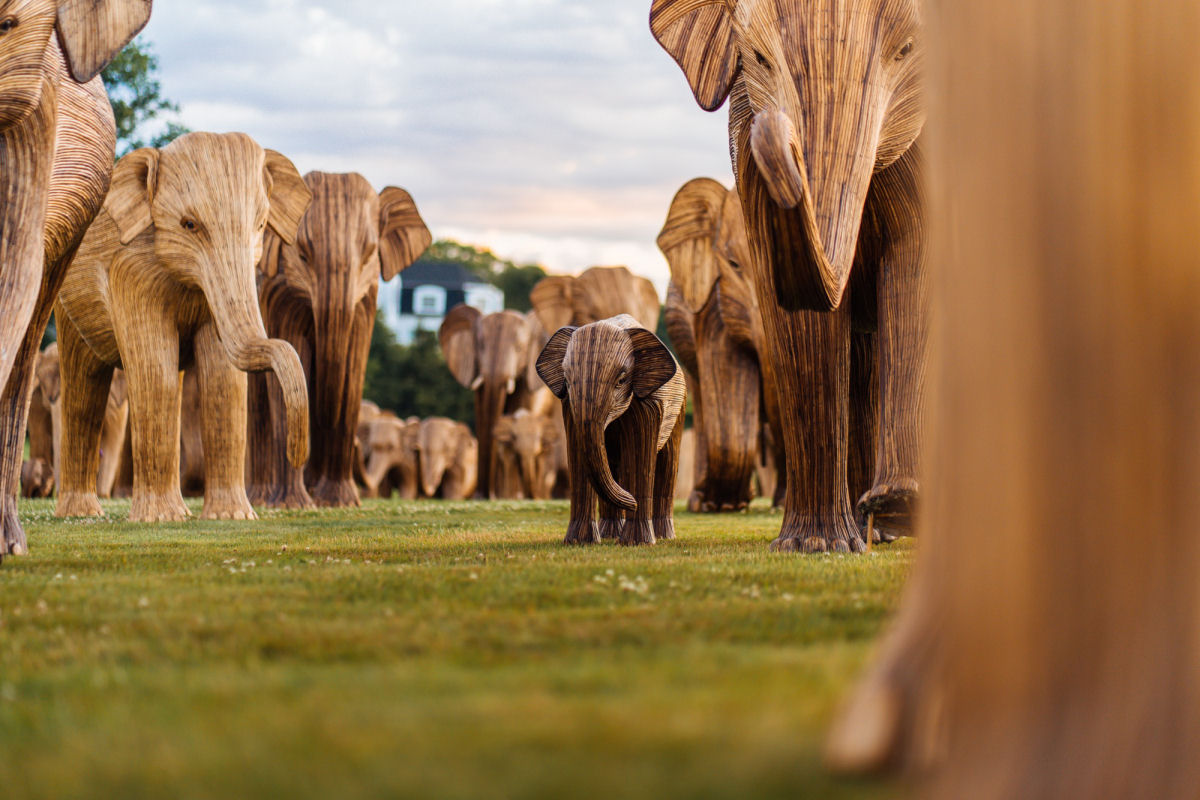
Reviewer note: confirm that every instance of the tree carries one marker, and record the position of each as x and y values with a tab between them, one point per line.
137	100
414	381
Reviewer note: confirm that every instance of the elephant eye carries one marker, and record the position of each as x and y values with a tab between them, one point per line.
7	24
905	51
188	224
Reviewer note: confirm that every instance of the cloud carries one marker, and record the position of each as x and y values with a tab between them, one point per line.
548	130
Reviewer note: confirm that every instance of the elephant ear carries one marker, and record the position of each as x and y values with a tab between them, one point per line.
538	337
699	36
688	238
49	373
289	195
134	181
550	433
553	300
653	364
457	336
403	236
680	329
550	362
92	32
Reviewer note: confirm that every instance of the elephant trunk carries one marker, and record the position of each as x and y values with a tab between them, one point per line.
234	308
339	365
432	470
595	459
375	471
818	210
489	406
530	476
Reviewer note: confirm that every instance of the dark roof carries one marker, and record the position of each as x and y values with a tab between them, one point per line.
438	273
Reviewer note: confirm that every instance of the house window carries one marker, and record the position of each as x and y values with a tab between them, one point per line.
429	301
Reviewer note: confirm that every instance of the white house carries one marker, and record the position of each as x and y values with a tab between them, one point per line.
419	297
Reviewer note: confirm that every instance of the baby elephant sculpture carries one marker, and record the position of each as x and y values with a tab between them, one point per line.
165	277
392	460
449	457
623	396
531	452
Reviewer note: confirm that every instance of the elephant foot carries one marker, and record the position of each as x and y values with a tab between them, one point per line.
78	504
893	502
696	502
664	528
259	494
823	534
582	531
329	493
611	528
165	507
12	535
227	504
636	532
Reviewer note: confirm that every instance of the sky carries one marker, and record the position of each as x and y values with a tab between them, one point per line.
550	131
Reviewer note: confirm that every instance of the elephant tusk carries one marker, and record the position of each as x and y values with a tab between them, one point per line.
475	384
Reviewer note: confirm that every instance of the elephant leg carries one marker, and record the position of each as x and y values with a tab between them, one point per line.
666	471
698	500
612	518
123	485
261	473
638	431
582	528
864	405
335	414
84	400
112	444
902	342
288	490
222	429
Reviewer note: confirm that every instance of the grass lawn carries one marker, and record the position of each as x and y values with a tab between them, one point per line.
426	650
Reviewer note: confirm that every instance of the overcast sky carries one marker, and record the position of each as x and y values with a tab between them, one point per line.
554	131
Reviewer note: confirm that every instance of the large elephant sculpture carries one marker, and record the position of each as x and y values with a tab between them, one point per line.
392	464
45	426
449	458
595	294
824	121
165	277
57	138
494	355
623	396
531	449
714	323
319	293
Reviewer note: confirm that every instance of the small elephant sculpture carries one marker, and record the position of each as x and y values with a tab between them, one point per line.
449	455
392	456
57	137
37	478
531	452
165	278
623	395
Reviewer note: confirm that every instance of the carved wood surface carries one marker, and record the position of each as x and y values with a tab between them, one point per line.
597	293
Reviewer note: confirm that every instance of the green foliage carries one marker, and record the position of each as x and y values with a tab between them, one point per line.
414	381
428	650
137	100
515	280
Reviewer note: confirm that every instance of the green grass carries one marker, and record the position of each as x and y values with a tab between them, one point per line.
426	650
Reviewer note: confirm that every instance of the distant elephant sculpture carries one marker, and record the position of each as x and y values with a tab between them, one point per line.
824	122
714	323
597	293
494	355
368	412
319	293
57	138
532	448
449	457
37	478
164	279
45	424
623	396
392	461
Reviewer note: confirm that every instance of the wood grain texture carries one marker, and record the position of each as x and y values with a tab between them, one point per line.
1063	425
597	293
319	294
823	120
623	396
168	270
449	458
56	150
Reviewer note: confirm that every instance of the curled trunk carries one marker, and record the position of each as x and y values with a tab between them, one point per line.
595	458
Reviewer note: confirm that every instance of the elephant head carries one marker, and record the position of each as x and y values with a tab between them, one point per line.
527	441
817	108
201	204
37	478
349	238
599	369
447	449
392	444
90	33
494	356
716	330
598	293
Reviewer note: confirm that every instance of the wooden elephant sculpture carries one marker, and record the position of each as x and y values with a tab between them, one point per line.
623	396
166	278
531	448
595	294
449	458
45	424
318	293
392	445
714	323
368	412
494	355
828	174
57	137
